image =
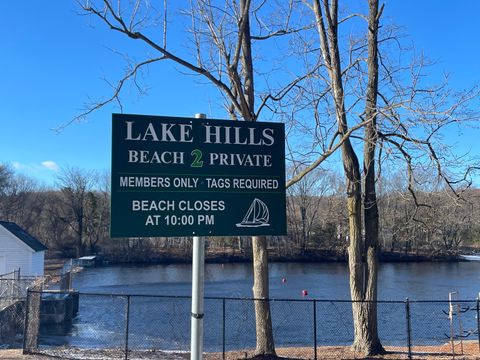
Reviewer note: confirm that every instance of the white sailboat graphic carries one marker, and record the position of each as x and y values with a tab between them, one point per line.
257	215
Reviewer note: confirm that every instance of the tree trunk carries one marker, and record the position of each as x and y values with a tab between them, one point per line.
362	258
263	319
303	212
80	245
265	343
362	255
366	338
362	265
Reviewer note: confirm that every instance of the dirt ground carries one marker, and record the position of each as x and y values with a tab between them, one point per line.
470	351
17	354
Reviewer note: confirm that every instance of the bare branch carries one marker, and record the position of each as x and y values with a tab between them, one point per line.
114	97
282	32
332	149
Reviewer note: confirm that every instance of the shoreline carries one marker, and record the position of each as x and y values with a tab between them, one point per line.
229	257
54	265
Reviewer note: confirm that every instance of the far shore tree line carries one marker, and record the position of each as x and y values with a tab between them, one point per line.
72	219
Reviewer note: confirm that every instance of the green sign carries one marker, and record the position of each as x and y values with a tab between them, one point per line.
195	177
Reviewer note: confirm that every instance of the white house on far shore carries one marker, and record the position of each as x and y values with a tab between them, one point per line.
20	250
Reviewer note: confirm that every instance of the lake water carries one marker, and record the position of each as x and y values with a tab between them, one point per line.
417	281
163	321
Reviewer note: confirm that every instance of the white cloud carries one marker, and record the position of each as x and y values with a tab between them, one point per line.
16	165
50	165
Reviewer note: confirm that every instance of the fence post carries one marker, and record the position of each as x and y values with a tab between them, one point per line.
409	328
127	315
32	320
25	325
478	321
315	329
223	327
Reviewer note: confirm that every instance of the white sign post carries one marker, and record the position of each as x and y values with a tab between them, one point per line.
198	267
198	276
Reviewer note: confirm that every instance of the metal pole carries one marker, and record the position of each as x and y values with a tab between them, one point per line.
127	325
409	328
478	320
450	316
198	275
196	342
460	328
315	329
27	322
223	328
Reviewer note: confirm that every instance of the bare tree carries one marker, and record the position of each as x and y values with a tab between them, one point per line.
6	175
364	93
362	251
54	232
221	42
75	185
6	179
304	203
19	200
97	205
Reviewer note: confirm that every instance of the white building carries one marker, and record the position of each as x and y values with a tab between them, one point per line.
20	250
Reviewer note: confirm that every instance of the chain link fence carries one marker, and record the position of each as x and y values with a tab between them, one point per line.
13	294
144	327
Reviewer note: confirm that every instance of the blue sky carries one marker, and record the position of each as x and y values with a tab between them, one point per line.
54	60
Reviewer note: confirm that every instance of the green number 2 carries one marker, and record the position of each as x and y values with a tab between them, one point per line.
197	162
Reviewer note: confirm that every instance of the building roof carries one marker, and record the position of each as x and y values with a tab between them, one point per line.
21	234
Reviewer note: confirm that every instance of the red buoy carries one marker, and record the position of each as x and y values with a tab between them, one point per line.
304	292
